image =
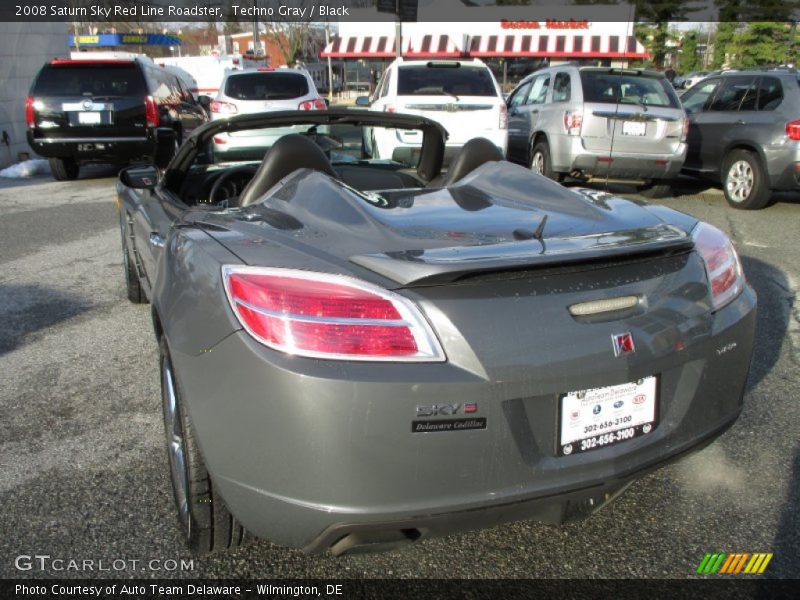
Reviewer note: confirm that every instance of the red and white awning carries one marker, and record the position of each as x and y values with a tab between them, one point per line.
519	45
426	46
556	46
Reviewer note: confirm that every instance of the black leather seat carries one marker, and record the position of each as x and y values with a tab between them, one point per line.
473	154
289	153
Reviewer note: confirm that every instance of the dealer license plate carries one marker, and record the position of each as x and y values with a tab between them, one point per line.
634	128
89	118
601	417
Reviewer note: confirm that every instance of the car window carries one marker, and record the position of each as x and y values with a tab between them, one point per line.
90	80
732	93
539	90
609	87
561	87
387	82
162	86
697	98
266	86
459	81
770	93
520	96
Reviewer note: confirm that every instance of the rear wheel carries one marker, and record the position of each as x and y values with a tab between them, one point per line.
541	164
64	169
744	182
205	520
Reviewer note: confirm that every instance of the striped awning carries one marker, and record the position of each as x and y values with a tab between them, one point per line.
426	46
556	46
489	46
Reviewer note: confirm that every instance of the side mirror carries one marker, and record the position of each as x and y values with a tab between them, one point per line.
362	101
140	177
205	101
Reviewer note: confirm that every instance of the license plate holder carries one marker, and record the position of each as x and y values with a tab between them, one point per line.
602	417
634	128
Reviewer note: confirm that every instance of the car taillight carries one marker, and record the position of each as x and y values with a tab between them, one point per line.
30	117
389	108
151	112
328	316
723	267
685	130
224	108
793	130
220	140
315	104
503	122
573	120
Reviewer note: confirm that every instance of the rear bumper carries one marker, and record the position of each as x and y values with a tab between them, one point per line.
570	154
101	149
783	166
306	453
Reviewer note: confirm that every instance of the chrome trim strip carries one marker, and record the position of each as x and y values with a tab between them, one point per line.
610	114
88	140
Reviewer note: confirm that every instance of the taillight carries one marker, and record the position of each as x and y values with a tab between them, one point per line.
573	120
151	112
328	316
793	130
223	108
220	140
315	104
684	129
723	267
30	117
503	122
389	108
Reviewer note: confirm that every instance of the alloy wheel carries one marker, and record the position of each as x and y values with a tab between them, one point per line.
740	181
176	447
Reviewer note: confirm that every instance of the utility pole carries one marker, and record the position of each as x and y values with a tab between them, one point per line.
330	66
398	31
256	41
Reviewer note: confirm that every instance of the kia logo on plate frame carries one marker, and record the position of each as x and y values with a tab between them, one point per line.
623	344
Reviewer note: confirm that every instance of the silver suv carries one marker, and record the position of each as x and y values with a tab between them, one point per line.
590	121
256	91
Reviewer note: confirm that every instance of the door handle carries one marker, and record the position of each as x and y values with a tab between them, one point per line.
156	241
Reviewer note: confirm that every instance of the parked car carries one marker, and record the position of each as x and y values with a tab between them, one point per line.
688	80
359	355
264	89
744	131
107	111
592	121
462	95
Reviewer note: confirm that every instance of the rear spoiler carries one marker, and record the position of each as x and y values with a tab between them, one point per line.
443	265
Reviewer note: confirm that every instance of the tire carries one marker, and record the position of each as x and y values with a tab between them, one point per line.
744	182
132	284
657	188
206	523
64	169
540	162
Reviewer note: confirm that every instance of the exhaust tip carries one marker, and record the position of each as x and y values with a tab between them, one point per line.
383	540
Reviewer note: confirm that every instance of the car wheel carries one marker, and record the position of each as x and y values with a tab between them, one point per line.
744	182
132	283
540	162
656	188
205	520
64	169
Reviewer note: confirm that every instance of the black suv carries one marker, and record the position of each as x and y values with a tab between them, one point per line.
107	111
744	131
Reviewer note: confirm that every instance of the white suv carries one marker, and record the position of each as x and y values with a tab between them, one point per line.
256	91
462	95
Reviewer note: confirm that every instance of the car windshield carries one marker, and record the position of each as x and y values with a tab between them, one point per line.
448	80
609	88
266	86
90	80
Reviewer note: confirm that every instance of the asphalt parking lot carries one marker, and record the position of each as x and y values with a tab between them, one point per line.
83	469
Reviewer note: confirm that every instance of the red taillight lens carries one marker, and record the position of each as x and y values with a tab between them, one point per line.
319	104
224	108
573	120
724	269
307	105
503	121
685	130
151	112
315	104
328	316
30	116
389	108
793	130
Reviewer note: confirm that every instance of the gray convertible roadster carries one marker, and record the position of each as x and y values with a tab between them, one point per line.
358	354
